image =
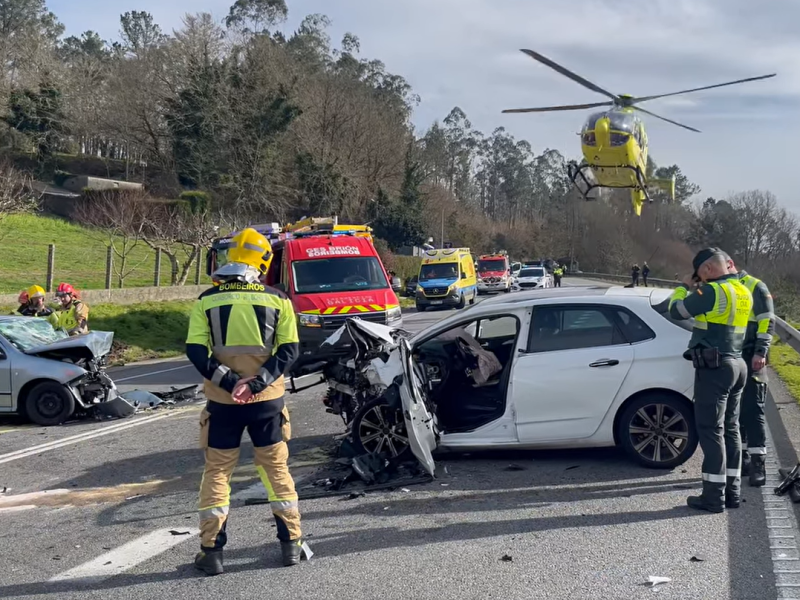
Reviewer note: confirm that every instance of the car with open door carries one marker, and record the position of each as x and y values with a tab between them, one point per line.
554	368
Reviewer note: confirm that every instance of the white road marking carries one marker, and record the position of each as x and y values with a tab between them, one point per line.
151	373
76	439
127	556
14	498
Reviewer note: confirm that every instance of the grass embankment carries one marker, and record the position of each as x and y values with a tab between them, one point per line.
80	256
786	363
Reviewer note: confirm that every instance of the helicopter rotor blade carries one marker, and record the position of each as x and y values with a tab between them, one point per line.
558	108
708	87
652	114
567	73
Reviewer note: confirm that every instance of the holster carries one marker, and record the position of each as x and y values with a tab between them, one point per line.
705	358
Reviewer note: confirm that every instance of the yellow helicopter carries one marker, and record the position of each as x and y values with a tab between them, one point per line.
614	142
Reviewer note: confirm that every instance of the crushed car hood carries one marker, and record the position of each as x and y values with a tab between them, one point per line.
89	346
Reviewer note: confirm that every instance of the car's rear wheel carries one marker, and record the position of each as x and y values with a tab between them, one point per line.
658	430
49	403
378	428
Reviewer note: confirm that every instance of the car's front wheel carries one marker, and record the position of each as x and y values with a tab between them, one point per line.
49	403
378	428
658	431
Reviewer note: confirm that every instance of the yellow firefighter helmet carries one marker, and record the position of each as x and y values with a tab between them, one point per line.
251	248
35	291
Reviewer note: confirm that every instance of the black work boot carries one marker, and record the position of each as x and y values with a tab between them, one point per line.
732	501
700	503
209	561
292	552
758	471
746	461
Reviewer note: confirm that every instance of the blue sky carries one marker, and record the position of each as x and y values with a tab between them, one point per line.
465	53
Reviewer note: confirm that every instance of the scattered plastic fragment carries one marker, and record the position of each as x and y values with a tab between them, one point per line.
445	484
174	532
405	490
136	496
305	552
106	564
515	468
354	495
572	467
697	558
385	508
507	558
654	580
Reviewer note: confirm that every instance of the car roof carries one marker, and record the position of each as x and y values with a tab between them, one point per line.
12	317
655	295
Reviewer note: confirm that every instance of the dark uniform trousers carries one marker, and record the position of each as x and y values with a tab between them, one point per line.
717	397
221	430
753	425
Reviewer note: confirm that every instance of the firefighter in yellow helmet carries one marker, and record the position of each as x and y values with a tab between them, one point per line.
35	306
243	339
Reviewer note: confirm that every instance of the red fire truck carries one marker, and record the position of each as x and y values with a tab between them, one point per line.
331	272
494	273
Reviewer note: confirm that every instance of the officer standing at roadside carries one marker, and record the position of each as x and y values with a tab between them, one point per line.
753	425
721	307
243	339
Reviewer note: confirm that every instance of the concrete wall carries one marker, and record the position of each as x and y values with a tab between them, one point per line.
81	182
127	295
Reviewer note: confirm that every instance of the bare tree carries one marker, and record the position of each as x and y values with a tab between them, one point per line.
119	218
181	230
16	191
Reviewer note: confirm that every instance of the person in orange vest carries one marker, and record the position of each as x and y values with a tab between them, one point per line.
74	315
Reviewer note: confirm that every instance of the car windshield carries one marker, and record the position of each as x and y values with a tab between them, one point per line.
340	274
485	266
28	333
539	272
438	271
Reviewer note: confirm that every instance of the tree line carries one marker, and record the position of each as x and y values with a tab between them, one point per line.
244	121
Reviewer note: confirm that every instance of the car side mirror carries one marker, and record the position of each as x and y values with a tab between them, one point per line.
464	276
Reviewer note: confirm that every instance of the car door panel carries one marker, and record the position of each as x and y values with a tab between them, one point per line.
565	381
560	395
5	379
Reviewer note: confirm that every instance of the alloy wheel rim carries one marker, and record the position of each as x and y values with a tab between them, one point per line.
377	434
659	432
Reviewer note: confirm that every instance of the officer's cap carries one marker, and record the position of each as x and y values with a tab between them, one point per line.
704	255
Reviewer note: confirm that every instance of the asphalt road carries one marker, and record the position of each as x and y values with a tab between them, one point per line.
89	507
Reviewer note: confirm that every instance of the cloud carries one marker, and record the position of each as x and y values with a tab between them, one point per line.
466	53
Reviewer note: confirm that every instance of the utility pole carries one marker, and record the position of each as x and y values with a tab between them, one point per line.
441	245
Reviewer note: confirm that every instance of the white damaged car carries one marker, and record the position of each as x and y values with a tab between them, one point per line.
559	368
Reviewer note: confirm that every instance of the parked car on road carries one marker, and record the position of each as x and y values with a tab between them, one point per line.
47	376
556	368
411	286
532	278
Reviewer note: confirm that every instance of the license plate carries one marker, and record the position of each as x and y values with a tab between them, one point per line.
437	302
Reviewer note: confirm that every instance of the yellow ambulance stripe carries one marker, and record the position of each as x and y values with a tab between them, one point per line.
330	310
375	307
344	310
362	309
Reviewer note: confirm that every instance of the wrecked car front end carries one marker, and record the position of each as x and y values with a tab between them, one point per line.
390	418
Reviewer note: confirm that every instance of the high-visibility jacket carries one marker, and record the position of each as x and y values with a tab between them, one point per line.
721	310
248	328
44	312
761	325
75	318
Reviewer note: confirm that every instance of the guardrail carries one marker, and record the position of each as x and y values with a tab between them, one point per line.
787	334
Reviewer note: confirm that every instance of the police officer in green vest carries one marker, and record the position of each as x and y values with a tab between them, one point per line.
721	307
753	425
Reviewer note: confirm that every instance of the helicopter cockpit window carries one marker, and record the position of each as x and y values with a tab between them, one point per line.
620	121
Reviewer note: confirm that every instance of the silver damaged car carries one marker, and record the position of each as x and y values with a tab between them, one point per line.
48	376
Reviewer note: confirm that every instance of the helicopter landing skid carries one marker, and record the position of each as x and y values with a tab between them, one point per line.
584	175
